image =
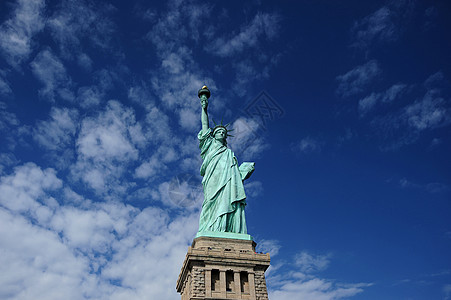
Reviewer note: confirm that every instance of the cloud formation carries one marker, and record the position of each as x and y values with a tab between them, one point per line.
105	145
384	25
308	145
368	103
50	70
77	21
262	25
16	33
432	187
94	212
309	263
5	88
94	250
299	281
356	80
405	125
59	131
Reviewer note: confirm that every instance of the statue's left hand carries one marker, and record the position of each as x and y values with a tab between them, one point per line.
246	170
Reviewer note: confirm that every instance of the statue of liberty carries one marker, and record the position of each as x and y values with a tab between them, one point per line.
224	196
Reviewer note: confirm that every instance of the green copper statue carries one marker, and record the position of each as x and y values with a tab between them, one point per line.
224	197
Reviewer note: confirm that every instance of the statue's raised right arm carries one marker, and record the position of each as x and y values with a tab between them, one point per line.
204	116
204	94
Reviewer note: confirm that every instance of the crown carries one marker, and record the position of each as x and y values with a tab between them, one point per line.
221	126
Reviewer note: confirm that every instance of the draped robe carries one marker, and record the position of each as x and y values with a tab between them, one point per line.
224	197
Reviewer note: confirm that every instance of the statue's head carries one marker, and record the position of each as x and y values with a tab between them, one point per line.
220	134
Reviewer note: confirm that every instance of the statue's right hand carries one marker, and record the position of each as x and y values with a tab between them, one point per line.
204	102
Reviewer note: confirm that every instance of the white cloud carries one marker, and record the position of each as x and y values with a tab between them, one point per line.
7	119
430	112
181	23
76	21
160	128
89	96
19	192
436	80
433	110
51	72
140	93
405	125
301	284
57	136
356	80
59	131
173	63
314	289
247	71
107	135
147	269
16	33
105	146
308	145
177	80
93	250
309	263
247	51
253	188
107	78
183	191
369	102
262	25
377	26
431	187
394	92
34	259
150	168
5	88
87	230
10	130
84	61
176	89
179	90
384	25
7	160
156	164
247	141
103	81
269	246
189	119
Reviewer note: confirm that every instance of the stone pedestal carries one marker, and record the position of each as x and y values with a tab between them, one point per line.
223	268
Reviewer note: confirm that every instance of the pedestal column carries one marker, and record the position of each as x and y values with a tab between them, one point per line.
210	262
236	279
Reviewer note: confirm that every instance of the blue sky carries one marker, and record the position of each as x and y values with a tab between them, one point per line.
345	107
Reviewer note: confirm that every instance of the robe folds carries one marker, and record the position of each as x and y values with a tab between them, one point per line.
224	196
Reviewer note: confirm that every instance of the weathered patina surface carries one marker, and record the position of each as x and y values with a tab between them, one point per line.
224	196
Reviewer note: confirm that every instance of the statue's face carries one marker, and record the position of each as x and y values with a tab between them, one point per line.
220	135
